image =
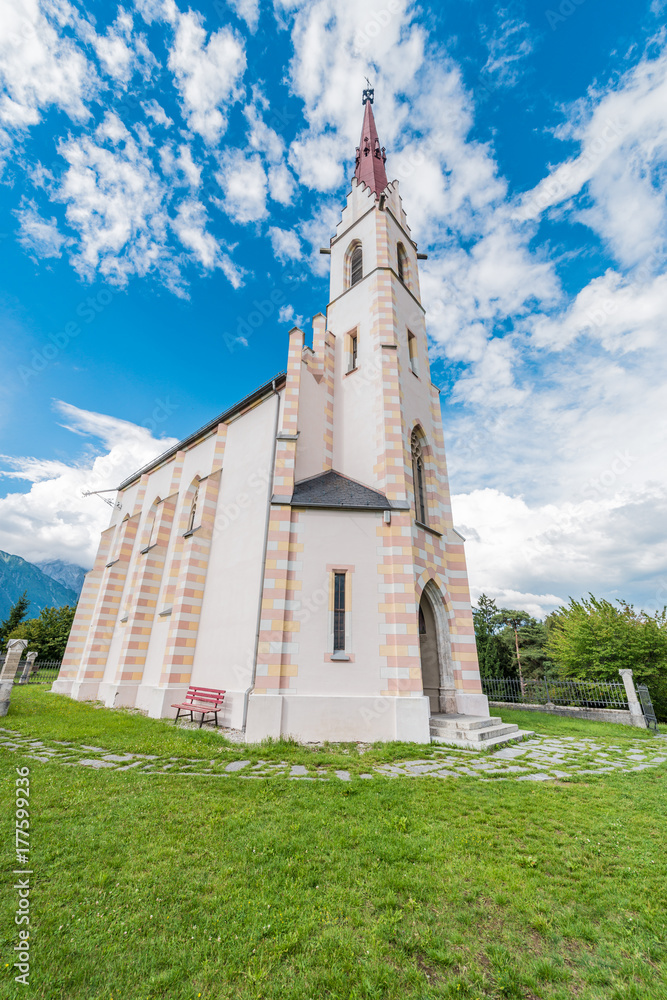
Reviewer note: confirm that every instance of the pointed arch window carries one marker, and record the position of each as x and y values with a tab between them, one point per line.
418	476
119	538
356	264
192	515
402	260
150	530
414	355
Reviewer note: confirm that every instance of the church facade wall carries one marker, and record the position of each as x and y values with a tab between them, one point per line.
184	608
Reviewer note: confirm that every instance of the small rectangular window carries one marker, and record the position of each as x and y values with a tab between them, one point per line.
339	612
352	350
412	348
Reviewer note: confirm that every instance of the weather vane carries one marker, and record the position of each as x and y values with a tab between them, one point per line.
369	93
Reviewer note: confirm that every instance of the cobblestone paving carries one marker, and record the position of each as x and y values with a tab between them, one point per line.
542	758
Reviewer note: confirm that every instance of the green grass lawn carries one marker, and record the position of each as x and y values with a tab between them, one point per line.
191	887
558	725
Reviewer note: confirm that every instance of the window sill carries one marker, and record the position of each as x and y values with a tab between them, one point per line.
340	655
350	371
416	374
112	563
147	549
165	613
425	527
187	534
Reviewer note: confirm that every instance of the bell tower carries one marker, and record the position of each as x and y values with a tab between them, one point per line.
387	428
383	387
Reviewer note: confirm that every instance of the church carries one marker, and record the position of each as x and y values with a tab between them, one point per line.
298	551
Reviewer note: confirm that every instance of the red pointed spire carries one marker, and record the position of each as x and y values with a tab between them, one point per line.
371	156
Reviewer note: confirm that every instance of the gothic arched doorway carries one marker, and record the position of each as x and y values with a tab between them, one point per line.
434	651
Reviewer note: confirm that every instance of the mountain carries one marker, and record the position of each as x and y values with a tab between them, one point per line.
70	575
17	575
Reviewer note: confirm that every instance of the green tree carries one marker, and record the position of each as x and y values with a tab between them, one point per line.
594	639
483	616
533	638
498	659
16	615
515	620
47	635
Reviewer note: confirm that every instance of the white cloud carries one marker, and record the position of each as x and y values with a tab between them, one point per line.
288	314
39	67
622	133
115	203
468	293
122	50
157	113
190	225
281	184
38	234
286	244
317	160
270	145
622	314
244	185
537	556
207	74
316	232
181	168
248	11
53	520
508	43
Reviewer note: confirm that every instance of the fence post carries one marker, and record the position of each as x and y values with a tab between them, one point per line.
15	648
27	670
546	686
636	713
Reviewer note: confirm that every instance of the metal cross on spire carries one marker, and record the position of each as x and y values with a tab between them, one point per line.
369	93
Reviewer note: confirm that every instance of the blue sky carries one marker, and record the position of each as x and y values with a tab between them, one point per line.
164	168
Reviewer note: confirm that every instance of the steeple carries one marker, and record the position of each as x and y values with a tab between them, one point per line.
371	158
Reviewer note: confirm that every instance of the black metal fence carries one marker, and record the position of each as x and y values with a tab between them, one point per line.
43	672
544	691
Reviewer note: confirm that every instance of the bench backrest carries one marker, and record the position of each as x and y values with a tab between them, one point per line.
205	696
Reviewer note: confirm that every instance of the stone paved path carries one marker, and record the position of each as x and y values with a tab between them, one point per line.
540	759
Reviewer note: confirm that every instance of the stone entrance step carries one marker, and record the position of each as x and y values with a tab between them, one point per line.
474	731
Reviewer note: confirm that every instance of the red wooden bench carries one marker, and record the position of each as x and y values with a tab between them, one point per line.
202	700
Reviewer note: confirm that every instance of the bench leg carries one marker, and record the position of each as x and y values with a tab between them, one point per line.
201	721
216	718
178	712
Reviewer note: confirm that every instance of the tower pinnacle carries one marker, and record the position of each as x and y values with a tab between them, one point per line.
371	157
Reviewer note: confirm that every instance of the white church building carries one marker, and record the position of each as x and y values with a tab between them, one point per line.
298	551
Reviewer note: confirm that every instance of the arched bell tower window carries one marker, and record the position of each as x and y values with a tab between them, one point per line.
403	267
354	264
416	446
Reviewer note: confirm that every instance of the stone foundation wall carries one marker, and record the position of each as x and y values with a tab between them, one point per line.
619	715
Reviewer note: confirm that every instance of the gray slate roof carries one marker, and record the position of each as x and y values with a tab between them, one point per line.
333	490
